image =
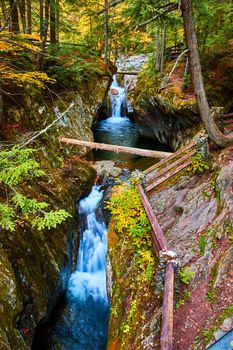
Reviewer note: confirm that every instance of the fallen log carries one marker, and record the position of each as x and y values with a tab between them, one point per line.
116	148
127	72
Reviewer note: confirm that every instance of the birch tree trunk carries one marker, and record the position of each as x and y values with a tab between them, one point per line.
195	68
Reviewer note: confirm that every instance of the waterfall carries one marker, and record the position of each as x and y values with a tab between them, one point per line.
83	323
118	99
89	280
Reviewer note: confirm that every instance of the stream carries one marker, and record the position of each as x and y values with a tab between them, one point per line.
81	322
118	129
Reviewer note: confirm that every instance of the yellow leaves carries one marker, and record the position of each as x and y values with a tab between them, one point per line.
37	79
16	43
21	47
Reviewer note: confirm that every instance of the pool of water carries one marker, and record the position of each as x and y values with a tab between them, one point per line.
122	131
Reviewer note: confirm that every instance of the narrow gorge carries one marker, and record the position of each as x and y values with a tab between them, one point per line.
103	250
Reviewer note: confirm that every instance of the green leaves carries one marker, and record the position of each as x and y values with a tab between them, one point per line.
16	167
27	205
186	275
6	217
50	219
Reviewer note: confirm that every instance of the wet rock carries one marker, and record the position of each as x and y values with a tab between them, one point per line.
224	269
10	306
107	168
158	119
219	334
109	274
133	63
227	324
114	92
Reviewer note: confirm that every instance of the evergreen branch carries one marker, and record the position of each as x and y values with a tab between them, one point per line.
169	8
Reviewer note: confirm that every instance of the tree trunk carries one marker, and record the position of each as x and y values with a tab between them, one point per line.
41	18
186	69
163	47
14	27
52	22
157	51
195	68
4	11
22	10
45	33
57	13
1	106
106	32
29	17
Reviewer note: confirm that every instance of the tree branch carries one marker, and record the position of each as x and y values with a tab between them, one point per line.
8	17
177	60
169	8
48	126
109	6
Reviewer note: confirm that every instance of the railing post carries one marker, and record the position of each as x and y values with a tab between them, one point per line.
167	313
203	146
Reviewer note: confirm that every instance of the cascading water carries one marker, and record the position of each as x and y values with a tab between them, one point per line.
117	97
84	323
118	129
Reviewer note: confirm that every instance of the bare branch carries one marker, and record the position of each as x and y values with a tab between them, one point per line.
109	6
169	8
48	126
8	17
177	60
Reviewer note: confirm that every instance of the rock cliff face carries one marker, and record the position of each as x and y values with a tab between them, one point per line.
194	211
195	214
159	119
34	266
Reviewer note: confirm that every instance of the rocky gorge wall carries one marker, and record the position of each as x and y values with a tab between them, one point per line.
195	213
34	265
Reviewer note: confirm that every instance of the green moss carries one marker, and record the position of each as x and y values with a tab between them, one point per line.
207	334
217	192
210	295
134	268
186	274
202	244
186	295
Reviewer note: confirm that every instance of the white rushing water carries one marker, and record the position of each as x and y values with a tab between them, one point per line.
118	101
89	280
